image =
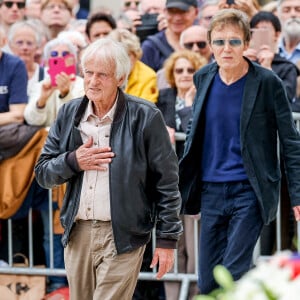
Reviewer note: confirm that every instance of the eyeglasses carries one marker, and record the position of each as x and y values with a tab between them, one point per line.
231	42
207	18
56	53
200	45
9	4
21	43
181	70
129	3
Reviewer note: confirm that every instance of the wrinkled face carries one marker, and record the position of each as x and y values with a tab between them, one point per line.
12	11
179	20
33	9
130	4
100	84
153	6
289	9
99	30
195	39
56	13
207	13
183	72
227	45
24	44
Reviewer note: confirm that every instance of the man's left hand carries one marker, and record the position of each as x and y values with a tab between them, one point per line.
297	212
165	259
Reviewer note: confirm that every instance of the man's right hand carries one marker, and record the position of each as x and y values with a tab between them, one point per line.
93	158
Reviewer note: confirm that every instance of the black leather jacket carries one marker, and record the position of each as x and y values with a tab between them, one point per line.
143	174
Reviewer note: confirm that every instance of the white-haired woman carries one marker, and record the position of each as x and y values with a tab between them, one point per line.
46	100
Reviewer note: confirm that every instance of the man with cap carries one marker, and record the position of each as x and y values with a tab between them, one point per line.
180	14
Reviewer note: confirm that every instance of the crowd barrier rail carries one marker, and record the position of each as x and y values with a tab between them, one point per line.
185	278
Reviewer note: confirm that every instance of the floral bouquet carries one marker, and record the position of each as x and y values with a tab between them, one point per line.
275	279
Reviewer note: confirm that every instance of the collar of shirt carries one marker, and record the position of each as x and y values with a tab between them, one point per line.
294	56
89	112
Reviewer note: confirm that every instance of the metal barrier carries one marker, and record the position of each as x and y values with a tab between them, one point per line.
184	278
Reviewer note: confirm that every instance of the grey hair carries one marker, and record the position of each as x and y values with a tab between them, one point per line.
205	4
21	24
58	41
109	51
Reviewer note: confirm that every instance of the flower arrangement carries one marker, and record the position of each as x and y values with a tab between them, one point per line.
274	279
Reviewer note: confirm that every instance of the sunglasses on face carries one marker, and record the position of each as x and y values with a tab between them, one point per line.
200	45
231	42
181	70
9	4
129	3
56	53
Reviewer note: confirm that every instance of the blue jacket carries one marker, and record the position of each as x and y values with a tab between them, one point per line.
265	115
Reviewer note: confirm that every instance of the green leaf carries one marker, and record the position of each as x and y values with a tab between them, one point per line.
223	277
204	297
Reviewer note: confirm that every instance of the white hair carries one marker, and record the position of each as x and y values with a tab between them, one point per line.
111	53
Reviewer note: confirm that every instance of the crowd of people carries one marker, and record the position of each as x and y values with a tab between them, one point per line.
227	75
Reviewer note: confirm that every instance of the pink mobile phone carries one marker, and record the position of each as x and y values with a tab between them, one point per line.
60	64
259	37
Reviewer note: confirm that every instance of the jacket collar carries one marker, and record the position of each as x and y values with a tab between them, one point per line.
119	109
250	92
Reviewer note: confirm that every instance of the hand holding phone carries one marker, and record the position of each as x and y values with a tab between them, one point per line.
57	65
260	37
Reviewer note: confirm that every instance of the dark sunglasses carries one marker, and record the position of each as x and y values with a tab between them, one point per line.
56	53
231	42
181	70
9	4
128	3
200	45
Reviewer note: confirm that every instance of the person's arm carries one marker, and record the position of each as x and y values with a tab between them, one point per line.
163	171
14	115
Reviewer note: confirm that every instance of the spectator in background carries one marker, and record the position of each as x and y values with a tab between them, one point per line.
11	12
78	11
17	180
33	9
130	5
145	7
289	15
267	53
195	38
289	44
44	35
175	104
46	101
41	110
56	15
270	7
180	14
250	7
124	22
99	25
142	79
24	40
13	86
206	11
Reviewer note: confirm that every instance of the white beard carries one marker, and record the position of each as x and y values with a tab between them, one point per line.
291	28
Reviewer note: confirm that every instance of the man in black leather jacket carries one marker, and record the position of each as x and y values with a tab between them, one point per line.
114	153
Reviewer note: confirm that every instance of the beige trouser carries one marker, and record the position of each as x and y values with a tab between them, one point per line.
94	270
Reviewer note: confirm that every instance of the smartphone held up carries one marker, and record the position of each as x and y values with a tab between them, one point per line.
59	64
